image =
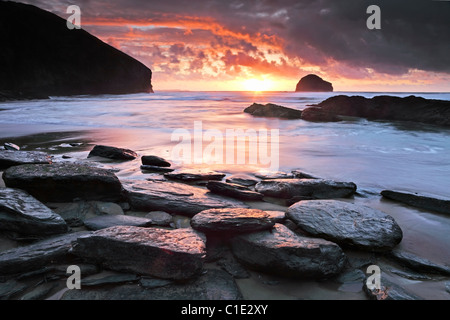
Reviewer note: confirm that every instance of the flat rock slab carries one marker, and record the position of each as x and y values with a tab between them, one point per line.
167	254
112	153
106	221
155	161
22	213
314	188
418	201
9	158
346	224
195	176
214	285
282	252
303	175
38	255
242	179
231	221
175	198
64	182
417	263
234	191
274	175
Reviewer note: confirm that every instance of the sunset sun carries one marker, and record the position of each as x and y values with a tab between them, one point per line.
257	85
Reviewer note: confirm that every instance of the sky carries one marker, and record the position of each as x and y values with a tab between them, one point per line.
269	45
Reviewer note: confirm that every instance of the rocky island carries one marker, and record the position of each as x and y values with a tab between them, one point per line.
313	83
41	57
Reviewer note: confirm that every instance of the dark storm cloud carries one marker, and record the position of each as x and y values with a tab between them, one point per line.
415	34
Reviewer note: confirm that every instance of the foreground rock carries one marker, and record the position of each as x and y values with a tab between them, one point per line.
214	285
313	188
38	255
346	224
242	179
282	252
410	108
427	203
273	111
175	198
21	213
155	161
168	254
112	153
418	264
64	182
231	221
106	221
313	83
194	176
53	60
160	218
234	191
9	158
274	175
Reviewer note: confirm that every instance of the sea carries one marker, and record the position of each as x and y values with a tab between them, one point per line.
376	155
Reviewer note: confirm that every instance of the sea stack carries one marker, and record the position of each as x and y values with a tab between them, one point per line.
41	57
313	83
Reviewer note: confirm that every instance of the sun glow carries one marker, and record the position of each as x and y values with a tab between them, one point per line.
257	85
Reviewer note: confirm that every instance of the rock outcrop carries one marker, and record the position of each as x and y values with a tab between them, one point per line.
41	57
418	201
9	158
412	108
273	111
64	182
347	224
168	254
21	213
313	83
282	252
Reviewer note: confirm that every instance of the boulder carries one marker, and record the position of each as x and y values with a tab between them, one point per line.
175	198
168	254
214	285
313	188
155	161
313	83
242	179
417	263
64	182
195	176
38	255
9	158
231	221
418	201
112	153
273	111
21	213
346	224
234	191
160	218
412	108
282	252
52	60
298	174
106	221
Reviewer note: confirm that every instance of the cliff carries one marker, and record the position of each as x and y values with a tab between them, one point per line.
40	56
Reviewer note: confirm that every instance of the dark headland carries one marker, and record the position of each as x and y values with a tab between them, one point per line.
41	57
